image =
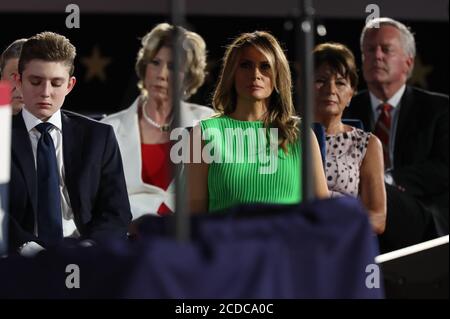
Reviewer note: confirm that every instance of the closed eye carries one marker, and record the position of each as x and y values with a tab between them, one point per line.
387	49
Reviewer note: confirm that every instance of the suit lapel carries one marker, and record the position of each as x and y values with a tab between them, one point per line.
360	108
402	122
72	152
23	156
129	140
187	117
369	113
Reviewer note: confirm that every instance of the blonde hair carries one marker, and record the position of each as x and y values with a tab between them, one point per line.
280	112
193	55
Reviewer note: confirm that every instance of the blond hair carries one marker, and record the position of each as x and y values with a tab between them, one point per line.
193	55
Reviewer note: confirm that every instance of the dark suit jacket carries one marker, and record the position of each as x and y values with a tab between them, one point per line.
93	176
421	153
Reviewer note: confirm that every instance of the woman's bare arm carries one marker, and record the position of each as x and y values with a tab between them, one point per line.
197	175
372	190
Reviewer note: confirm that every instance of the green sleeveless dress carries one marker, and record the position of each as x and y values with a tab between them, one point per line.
244	168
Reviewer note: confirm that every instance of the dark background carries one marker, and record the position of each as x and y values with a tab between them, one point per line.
117	36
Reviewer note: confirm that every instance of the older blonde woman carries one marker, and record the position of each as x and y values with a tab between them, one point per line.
253	97
143	130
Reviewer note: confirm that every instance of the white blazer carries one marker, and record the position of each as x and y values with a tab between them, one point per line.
145	198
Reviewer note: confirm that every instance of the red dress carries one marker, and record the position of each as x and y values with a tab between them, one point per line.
157	169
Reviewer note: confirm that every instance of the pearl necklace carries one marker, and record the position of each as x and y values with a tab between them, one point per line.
162	128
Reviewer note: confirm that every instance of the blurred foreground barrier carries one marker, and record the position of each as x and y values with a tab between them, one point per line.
315	250
5	157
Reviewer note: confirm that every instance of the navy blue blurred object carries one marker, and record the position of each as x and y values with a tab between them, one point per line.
354	122
319	131
314	250
49	199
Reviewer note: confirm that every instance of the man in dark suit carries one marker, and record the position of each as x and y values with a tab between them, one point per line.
66	170
413	127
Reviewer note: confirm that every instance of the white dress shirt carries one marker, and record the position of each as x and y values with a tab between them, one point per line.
68	223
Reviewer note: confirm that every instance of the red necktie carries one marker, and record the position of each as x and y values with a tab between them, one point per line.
382	130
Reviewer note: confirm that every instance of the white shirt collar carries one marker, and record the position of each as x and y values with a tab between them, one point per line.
394	100
31	121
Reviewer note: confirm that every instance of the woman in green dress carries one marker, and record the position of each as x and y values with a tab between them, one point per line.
250	152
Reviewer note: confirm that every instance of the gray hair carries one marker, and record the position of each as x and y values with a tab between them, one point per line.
11	52
406	36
